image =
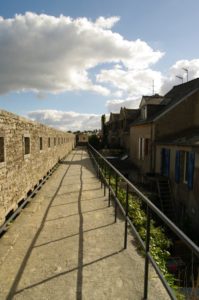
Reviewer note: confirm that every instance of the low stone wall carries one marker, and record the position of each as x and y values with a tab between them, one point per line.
28	150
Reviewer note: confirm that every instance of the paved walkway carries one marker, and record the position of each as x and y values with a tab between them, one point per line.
64	245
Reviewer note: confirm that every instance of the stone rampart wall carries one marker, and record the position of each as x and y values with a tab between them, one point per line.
28	150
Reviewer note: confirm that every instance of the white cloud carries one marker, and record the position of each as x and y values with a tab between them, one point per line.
178	70
115	105
107	22
43	53
66	120
134	82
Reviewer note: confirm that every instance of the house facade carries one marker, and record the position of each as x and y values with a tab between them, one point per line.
163	143
117	129
126	117
112	127
142	134
167	143
82	138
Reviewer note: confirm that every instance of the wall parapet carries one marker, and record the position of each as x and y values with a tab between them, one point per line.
28	150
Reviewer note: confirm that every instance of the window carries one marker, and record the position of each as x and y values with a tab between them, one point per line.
40	143
55	141
2	155
184	167
48	142
141	148
146	147
26	145
144	112
165	162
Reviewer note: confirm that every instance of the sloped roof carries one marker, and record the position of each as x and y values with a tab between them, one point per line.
176	95
114	117
188	137
154	99
129	113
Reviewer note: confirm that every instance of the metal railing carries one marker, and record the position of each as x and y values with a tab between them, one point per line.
104	171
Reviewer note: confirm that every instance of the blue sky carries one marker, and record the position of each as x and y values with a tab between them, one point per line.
66	72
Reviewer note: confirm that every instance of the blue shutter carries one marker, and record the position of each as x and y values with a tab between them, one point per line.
177	167
191	164
165	161
162	162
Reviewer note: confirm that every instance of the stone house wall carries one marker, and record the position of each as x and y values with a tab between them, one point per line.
183	116
28	150
185	199
137	132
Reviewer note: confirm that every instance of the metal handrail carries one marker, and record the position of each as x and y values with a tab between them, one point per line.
150	207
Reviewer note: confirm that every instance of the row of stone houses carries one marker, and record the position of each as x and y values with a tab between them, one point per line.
162	140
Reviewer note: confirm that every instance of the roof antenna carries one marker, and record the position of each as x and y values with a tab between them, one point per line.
187	71
180	77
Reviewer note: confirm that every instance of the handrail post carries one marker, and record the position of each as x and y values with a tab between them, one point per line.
147	245
113	191
116	190
109	190
104	179
98	168
101	173
127	212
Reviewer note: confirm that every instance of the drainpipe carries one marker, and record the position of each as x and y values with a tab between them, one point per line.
154	149
151	150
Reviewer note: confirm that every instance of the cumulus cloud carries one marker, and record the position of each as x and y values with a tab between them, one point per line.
66	120
134	82
43	53
115	105
107	22
178	70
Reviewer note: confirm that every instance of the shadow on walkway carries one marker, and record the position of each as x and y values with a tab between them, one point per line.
82	163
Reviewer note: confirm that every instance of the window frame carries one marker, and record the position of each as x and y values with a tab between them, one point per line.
26	136
3	162
41	144
49	142
141	148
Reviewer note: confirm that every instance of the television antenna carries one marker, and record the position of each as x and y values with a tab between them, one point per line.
180	77
187	71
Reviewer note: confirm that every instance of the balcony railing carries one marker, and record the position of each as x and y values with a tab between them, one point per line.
106	173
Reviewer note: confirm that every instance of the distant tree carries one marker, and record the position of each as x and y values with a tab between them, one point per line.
104	130
95	141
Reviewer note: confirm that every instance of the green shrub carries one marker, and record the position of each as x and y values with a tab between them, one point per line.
159	242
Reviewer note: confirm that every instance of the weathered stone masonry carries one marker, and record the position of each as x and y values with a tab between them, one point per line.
28	150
